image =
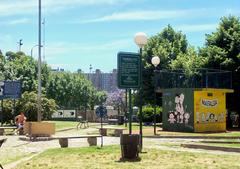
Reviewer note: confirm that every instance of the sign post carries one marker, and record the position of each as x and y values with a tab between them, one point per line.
129	69
129	76
9	90
101	112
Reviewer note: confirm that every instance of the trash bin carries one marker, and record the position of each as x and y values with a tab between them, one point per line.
129	146
120	119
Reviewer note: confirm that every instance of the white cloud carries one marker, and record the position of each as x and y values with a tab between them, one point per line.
19	21
159	14
197	27
16	7
59	48
151	15
15	22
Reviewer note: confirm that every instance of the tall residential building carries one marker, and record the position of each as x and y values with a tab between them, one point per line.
103	81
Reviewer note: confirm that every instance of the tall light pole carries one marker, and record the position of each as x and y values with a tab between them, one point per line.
141	40
20	43
32	49
155	61
90	71
39	116
43	24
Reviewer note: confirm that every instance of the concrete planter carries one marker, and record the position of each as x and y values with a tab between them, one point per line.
39	129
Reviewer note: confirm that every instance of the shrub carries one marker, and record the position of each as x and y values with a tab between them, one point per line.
148	113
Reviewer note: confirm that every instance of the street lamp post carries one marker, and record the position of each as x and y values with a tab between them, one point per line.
39	116
155	61
32	49
140	39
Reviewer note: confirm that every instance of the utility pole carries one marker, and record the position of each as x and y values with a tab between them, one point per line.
43	23
20	43
39	115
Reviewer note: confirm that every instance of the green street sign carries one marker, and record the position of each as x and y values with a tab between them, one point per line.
129	70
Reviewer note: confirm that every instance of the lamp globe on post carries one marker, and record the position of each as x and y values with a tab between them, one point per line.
140	39
155	61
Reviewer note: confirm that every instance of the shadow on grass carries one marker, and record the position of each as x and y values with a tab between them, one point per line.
123	160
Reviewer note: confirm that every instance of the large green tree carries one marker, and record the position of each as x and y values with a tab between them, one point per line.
73	90
18	66
222	51
168	45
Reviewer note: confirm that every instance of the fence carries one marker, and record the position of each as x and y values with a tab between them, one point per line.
202	78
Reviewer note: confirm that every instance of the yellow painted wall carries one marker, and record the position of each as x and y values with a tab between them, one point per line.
210	110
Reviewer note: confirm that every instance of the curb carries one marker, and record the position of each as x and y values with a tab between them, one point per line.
205	147
195	137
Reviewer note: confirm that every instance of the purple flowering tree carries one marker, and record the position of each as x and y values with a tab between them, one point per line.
115	99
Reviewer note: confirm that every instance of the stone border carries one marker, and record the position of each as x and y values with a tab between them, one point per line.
221	142
195	137
205	147
36	139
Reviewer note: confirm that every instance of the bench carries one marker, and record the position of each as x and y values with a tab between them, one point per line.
2	129
63	141
117	131
112	121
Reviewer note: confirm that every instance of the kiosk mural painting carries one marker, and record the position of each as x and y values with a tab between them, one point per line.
194	110
178	110
179	115
210	108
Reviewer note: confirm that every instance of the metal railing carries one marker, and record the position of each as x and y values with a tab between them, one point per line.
201	78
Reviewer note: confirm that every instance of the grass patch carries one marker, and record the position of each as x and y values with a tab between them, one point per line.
10	157
109	157
61	125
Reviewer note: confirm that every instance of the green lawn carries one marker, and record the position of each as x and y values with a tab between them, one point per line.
12	155
147	130
109	158
61	125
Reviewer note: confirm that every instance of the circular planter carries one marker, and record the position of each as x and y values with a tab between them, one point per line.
103	132
63	142
129	146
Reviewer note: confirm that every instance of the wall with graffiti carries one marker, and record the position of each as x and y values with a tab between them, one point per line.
178	110
210	111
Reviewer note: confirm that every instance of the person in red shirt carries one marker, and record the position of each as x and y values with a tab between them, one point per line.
20	120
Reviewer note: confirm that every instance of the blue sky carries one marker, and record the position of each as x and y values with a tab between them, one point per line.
83	32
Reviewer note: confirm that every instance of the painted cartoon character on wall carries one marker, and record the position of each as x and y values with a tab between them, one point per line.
171	118
179	114
186	116
179	110
221	117
212	117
